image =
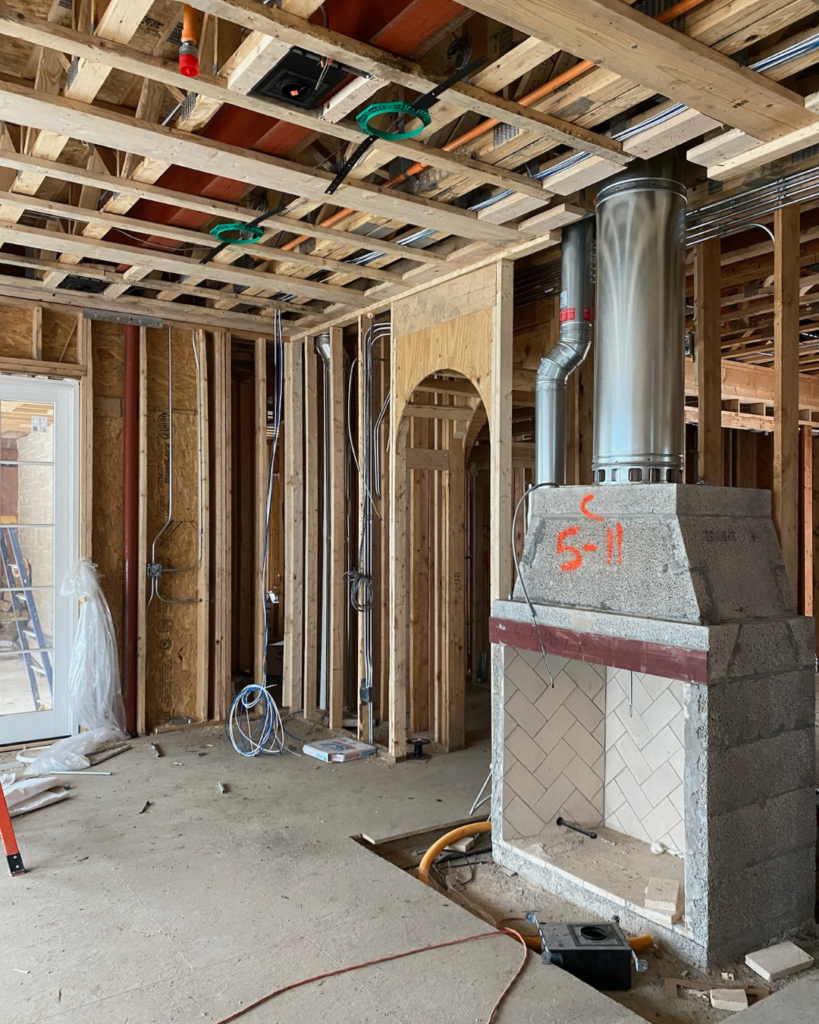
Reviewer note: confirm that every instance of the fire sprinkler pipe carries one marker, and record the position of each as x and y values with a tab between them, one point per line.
576	326
130	519
676	11
189	49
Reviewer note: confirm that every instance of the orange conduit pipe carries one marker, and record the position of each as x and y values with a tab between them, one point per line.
458	833
546	89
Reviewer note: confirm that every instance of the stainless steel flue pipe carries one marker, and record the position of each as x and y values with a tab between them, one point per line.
639	415
576	326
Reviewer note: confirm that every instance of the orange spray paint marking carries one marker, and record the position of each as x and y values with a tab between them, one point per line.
577	560
589	547
585	510
619	543
609	545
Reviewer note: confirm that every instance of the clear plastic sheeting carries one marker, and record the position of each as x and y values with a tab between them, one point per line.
93	686
30	794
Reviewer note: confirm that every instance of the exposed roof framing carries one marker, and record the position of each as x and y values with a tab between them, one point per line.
91	147
641	50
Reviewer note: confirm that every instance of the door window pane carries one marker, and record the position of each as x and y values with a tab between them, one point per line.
23	684
26	612
27	494
27	432
26	556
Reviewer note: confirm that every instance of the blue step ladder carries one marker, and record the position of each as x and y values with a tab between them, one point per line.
11	558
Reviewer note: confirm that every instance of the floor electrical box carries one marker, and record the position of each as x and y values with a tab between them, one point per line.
597	953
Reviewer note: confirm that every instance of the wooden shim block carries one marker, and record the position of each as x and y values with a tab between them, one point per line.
731	999
294	526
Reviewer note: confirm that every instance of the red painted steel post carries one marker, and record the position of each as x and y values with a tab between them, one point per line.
130	523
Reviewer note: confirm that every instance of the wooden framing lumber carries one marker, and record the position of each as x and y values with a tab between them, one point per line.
296	32
312	528
641	50
785	498
500	423
175	312
142	536
338	597
709	356
203	586
199	238
260	469
806	522
22	105
166	72
294	526
202	204
399	586
168	262
220	653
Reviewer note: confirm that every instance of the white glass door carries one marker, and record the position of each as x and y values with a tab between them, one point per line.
38	544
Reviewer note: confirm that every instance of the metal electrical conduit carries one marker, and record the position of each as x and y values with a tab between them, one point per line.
155	569
323	350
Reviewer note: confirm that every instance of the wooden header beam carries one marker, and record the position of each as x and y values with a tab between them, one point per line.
641	50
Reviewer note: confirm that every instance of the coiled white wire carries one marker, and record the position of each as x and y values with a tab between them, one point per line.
251	735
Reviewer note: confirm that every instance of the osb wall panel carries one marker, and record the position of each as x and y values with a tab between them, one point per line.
60	337
15	342
108	353
172	629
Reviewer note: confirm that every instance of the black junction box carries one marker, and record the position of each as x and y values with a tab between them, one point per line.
597	953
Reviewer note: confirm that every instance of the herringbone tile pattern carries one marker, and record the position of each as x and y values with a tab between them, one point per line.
554	752
645	758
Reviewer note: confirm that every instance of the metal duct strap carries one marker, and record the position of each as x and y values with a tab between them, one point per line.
576	326
639	426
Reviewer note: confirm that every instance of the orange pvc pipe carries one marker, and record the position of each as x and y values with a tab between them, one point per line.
481	129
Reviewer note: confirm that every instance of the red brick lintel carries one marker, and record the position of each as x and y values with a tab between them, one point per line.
635	655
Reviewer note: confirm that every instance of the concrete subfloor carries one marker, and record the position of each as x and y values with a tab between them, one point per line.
206	901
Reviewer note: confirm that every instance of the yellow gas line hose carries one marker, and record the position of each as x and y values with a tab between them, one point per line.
451	837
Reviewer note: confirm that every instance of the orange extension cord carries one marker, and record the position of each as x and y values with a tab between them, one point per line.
396	956
551	86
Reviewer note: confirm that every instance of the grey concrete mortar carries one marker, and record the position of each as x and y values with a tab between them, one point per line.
779	825
690	554
748	709
757	771
702	569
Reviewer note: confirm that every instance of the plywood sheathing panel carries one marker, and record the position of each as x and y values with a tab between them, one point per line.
173	685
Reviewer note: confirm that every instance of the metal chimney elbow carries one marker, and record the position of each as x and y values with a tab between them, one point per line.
576	326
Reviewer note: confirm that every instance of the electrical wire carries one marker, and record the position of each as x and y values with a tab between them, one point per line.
264	733
536	624
398	956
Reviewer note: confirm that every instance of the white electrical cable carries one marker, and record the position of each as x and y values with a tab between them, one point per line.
251	733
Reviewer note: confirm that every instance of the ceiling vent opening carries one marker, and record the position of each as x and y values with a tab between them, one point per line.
303	79
91	285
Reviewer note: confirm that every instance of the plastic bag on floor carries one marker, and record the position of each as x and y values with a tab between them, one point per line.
30	794
94	692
